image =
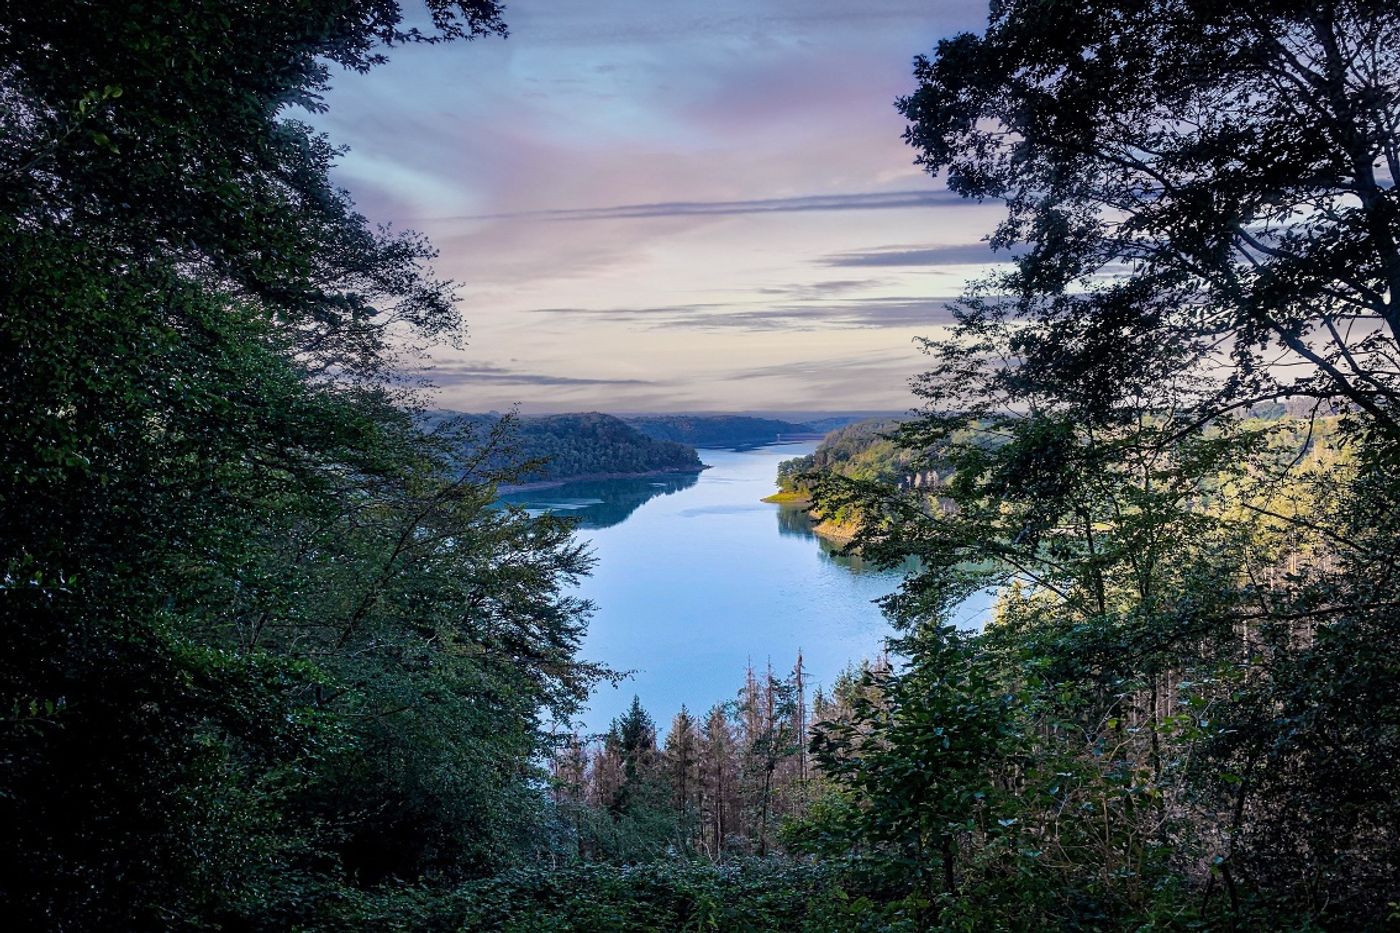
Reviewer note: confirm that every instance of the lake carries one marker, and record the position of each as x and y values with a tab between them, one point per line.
696	578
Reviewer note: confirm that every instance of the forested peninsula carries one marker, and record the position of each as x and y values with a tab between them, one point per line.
549	449
863	451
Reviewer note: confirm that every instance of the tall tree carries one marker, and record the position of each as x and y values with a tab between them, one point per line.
720	781
1204	188
768	744
644	820
1204	199
263	636
682	761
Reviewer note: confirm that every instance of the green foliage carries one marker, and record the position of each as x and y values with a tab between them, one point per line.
265	640
1153	730
1206	192
636	796
861	450
748	895
1162	593
557	447
926	775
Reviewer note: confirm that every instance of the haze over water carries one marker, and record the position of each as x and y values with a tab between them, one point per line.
696	577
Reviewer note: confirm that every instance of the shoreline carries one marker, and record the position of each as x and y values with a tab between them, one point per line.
831	531
591	477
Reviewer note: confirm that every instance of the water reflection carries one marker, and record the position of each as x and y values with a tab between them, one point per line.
795	521
601	503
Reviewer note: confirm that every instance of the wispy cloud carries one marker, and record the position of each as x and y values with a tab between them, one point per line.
844	377
451	374
585	23
800	315
957	254
815	290
668	179
859	363
865	201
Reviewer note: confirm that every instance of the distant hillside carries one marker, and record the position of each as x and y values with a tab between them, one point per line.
716	430
590	444
858	450
825	423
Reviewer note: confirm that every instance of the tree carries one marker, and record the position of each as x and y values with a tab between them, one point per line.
263	636
720	782
161	133
683	766
1203	188
921	754
633	788
1204	198
633	735
768	744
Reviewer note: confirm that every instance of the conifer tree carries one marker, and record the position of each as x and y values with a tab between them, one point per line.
720	782
682	764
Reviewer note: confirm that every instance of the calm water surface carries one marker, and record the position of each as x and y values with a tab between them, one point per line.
696	578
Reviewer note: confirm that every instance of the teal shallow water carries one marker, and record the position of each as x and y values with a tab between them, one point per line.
696	578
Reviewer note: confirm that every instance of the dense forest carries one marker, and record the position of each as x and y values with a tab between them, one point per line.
716	430
737	781
549	448
277	658
865	451
861	450
267	645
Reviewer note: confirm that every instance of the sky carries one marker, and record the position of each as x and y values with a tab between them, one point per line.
671	205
